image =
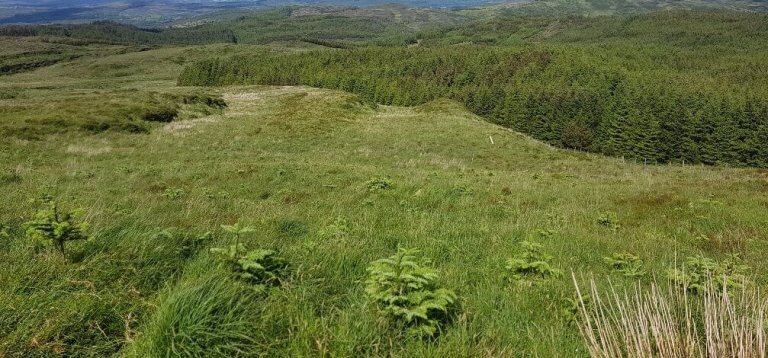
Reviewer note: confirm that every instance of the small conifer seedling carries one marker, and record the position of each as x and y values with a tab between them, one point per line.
627	264
54	227
406	293
259	267
531	263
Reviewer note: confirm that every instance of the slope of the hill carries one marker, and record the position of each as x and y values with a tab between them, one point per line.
331	184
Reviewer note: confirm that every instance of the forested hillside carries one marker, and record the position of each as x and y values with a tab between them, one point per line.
115	33
394	24
693	92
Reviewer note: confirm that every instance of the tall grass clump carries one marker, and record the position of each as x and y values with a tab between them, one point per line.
670	322
203	317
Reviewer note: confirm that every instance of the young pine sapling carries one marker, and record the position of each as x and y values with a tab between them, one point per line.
52	226
406	293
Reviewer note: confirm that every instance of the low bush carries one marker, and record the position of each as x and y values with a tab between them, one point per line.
338	230
609	220
213	102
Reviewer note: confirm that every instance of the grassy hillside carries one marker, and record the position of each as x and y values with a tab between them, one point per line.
332	184
248	216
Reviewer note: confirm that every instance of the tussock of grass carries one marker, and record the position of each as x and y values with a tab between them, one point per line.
209	316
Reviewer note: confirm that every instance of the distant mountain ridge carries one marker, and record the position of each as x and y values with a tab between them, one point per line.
164	12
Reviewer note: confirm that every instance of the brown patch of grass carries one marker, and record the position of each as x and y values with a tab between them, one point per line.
654	322
729	241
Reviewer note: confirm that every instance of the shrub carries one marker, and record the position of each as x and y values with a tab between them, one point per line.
627	264
259	267
571	308
52	226
531	263
405	291
213	102
187	245
378	184
700	273
548	234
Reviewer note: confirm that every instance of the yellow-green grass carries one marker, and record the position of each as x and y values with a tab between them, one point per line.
290	161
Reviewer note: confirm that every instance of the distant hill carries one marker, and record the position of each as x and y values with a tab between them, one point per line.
164	12
611	7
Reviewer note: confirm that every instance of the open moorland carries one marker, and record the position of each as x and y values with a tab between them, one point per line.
432	183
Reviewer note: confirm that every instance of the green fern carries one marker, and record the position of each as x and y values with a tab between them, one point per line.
54	227
405	291
531	263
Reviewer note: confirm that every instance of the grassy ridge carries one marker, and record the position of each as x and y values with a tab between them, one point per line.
636	94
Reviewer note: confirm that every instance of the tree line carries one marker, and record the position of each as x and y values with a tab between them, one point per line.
115	33
564	95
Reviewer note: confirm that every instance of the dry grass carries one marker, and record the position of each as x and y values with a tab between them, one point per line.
658	322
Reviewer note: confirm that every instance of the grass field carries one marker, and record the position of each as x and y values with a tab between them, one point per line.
297	164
